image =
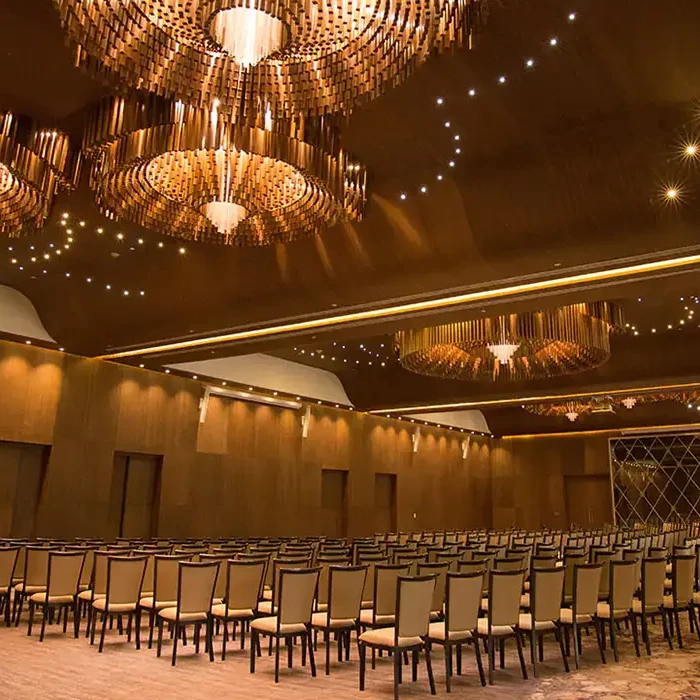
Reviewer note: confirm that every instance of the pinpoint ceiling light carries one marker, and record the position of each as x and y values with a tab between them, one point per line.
517	346
195	173
34	165
295	56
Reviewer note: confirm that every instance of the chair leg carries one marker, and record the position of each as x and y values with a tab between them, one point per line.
519	642
491	651
45	614
613	639
560	638
160	636
448	666
253	649
31	618
479	665
209	636
290	647
502	653
667	632
76	618
277	659
645	632
196	634
533	651
312	660
677	619
692	612
327	638
223	641
303	650
20	604
429	669
635	635
600	636
397	673
575	630
102	632
176	637
151	623
362	651
540	645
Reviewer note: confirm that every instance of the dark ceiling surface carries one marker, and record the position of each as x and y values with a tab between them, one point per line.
562	165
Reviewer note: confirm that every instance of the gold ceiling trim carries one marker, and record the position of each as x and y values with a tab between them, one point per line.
323	57
34	165
521	289
545	343
196	174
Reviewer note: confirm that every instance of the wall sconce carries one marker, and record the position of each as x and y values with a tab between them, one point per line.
415	438
465	447
305	421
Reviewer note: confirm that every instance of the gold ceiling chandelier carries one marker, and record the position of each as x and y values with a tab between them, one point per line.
516	346
288	56
596	404
34	165
195	173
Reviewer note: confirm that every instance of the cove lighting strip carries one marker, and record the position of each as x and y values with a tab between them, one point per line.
248	396
534	399
400	310
650	430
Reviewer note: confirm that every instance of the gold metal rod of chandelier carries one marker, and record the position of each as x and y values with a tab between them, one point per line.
292	56
517	346
197	174
34	165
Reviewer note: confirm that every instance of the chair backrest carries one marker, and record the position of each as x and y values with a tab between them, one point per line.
165	575
325	564
125	577
440	572
345	587
385	576
546	589
509	564
63	574
195	586
505	590
147	585
653	578
285	562
8	564
414	598
585	586
36	565
411	560
371	563
244	582
683	578
544	561
220	588
623	584
297	593
451	560
463	601
635	555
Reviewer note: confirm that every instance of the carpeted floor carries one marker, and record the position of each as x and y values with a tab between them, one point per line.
63	668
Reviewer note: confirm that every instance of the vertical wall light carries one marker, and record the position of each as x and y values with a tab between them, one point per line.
305	421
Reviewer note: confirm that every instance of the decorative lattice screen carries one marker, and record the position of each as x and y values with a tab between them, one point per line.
656	478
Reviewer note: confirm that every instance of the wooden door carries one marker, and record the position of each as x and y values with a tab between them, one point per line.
385	503
588	500
22	469
334	502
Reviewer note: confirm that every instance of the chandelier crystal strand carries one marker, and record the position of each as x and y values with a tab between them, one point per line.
301	56
34	165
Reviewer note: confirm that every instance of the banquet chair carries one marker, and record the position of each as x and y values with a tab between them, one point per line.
8	564
622	587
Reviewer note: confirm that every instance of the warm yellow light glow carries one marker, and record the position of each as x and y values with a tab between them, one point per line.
248	35
671	192
611	431
691	149
402	310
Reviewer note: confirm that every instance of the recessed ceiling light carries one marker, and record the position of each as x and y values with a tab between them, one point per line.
530	62
472	92
402	195
553	41
502	79
120	236
250	388
167	371
439	100
142	366
28	342
572	16
194	376
181	251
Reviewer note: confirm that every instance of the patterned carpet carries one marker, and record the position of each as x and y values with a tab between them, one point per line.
63	668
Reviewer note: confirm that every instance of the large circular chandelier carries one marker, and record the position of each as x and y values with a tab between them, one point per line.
195	173
517	346
34	165
289	56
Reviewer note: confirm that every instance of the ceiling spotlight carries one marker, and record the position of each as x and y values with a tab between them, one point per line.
451	164
502	79
120	236
89	279
423	189
553	41
194	376
46	256
572	16
318	402
126	292
28	342
108	286
167	371
472	92
140	241
402	195
447	124
65	215
62	349
160	244
298	398
181	251
100	230
250	388
529	63
142	293
439	100
141	366
14	261
439	177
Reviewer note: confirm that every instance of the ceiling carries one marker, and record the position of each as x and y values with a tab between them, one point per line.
562	169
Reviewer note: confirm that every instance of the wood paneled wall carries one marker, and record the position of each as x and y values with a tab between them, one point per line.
245	471
529	478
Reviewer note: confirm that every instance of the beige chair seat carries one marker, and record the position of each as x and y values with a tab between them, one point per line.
220	611
367	604
437	631
637	607
525	623
320	620
367	619
385	638
41	598
101	604
21	588
269	625
3	589
496	630
322	607
668	583
484	605
170	614
525	600
669	569
267	595
435	616
84	587
566	615
159	604
147	594
696	598
87	595
670	603
526	586
265	607
603	611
